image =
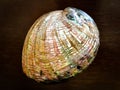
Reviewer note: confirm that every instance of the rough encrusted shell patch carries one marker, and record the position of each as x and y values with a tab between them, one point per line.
59	45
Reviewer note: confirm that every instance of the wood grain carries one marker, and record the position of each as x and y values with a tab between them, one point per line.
17	16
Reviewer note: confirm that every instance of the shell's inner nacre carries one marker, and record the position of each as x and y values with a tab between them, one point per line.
59	45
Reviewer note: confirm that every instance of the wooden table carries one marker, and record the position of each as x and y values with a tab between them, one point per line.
17	16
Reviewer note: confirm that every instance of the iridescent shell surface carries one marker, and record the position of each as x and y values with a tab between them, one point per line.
59	45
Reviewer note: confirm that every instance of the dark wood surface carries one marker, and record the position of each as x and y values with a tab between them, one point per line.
17	16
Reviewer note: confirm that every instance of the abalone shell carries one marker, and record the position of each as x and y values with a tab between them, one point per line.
59	45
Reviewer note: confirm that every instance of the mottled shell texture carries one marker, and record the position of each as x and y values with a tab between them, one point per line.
59	45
